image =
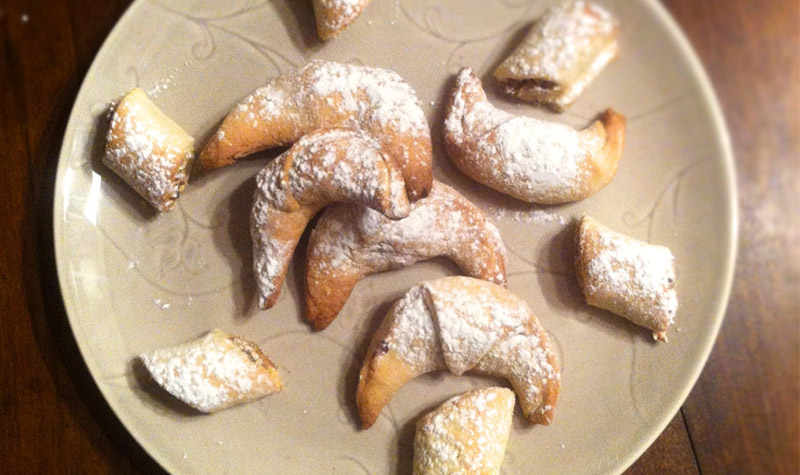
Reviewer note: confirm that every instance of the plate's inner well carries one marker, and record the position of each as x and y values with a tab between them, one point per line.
134	281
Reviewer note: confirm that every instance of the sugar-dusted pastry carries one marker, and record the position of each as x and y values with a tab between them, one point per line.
460	324
467	434
351	241
631	278
148	150
333	16
324	94
530	159
564	51
321	168
214	372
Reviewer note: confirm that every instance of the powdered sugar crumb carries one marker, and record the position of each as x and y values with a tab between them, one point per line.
160	86
533	215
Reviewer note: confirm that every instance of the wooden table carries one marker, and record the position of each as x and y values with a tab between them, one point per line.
743	416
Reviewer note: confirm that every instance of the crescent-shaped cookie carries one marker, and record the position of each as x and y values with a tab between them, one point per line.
565	50
628	277
530	159
333	16
467	434
148	150
350	242
323	167
460	324
214	372
325	94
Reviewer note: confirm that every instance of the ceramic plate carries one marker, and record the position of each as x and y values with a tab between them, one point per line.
133	281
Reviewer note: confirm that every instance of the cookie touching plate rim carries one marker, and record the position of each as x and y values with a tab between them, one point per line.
88	347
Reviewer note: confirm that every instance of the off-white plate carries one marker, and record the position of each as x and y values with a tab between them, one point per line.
133	281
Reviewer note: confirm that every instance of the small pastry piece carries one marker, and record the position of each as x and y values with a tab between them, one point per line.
333	16
214	372
321	168
148	150
530	159
460	324
631	278
351	241
564	51
467	434
323	95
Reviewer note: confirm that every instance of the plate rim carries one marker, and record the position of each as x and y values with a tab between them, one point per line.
708	98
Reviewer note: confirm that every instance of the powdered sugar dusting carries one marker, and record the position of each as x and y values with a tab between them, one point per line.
337	14
148	150
534	154
466	434
209	373
528	215
326	94
390	100
470	111
443	223
631	278
460	324
323	167
532	368
323	95
559	40
635	270
413	332
270	258
471	321
319	161
530	159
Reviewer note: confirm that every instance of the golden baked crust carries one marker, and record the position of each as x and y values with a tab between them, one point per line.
148	150
324	94
351	241
214	372
565	50
334	16
460	324
530	159
467	434
630	278
323	167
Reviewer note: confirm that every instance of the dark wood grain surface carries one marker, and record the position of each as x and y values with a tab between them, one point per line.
743	416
